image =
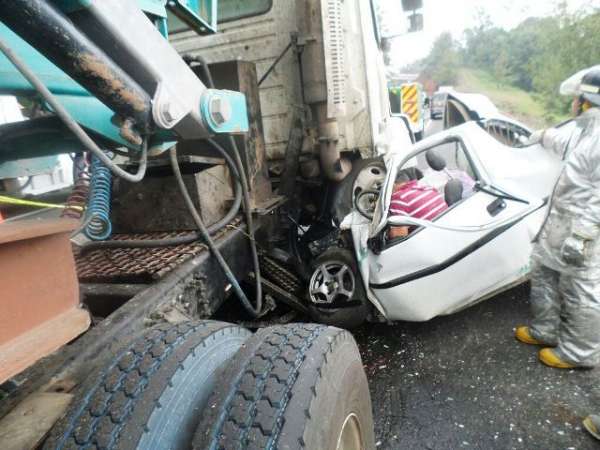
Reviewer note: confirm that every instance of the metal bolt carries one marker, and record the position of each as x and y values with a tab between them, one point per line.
169	112
220	109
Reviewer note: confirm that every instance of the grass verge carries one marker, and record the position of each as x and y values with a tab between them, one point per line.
512	101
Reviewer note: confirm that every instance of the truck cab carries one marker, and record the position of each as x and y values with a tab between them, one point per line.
320	60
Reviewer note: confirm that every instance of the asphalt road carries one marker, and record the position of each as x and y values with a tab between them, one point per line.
463	381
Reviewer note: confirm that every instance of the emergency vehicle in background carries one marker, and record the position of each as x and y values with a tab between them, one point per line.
408	100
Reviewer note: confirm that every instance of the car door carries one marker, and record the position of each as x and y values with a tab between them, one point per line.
439	270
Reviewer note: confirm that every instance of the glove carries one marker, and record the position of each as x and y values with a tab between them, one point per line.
573	250
534	138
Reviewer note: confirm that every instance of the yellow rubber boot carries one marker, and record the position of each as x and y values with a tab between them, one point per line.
522	334
592	424
548	357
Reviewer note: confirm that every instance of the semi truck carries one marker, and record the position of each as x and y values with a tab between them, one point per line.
163	300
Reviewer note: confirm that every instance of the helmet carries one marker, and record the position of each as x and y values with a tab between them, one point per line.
590	87
572	85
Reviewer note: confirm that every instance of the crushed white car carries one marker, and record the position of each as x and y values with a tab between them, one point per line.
478	247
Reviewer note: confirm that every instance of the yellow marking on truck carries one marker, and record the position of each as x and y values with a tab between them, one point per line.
409	92
410	102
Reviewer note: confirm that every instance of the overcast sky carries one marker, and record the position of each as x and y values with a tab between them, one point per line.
457	15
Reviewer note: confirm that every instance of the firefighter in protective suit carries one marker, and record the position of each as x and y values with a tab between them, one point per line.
565	278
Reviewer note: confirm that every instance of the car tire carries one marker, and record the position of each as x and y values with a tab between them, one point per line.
290	387
149	394
344	317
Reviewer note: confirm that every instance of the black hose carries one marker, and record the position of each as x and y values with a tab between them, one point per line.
242	180
254	312
245	192
249	220
70	123
179	240
141	243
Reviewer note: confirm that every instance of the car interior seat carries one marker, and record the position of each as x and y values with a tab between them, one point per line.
453	191
434	160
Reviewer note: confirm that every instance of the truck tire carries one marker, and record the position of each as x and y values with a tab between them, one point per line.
293	387
355	308
149	395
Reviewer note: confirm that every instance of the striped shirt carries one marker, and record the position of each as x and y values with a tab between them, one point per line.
416	200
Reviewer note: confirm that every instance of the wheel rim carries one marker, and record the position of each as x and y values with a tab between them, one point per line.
331	282
366	203
350	437
369	179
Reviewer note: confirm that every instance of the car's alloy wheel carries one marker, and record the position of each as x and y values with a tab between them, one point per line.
335	293
332	282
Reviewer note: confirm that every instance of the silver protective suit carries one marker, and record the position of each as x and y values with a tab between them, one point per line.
565	293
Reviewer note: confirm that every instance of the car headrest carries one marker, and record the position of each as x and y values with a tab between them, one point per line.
434	160
453	191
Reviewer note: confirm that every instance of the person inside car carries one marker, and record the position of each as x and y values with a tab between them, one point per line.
439	174
411	198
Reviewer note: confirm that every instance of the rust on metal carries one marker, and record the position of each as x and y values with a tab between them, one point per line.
128	132
38	284
93	65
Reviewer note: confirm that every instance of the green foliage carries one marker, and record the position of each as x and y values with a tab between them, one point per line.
444	61
537	55
511	100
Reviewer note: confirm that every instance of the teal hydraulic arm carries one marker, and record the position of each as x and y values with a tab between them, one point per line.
110	50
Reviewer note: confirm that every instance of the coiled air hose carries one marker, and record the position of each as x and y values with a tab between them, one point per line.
91	146
186	239
98	209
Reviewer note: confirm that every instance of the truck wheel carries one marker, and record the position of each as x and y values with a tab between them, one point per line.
336	295
366	175
292	387
149	395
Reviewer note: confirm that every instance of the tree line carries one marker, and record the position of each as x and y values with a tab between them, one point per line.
535	56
